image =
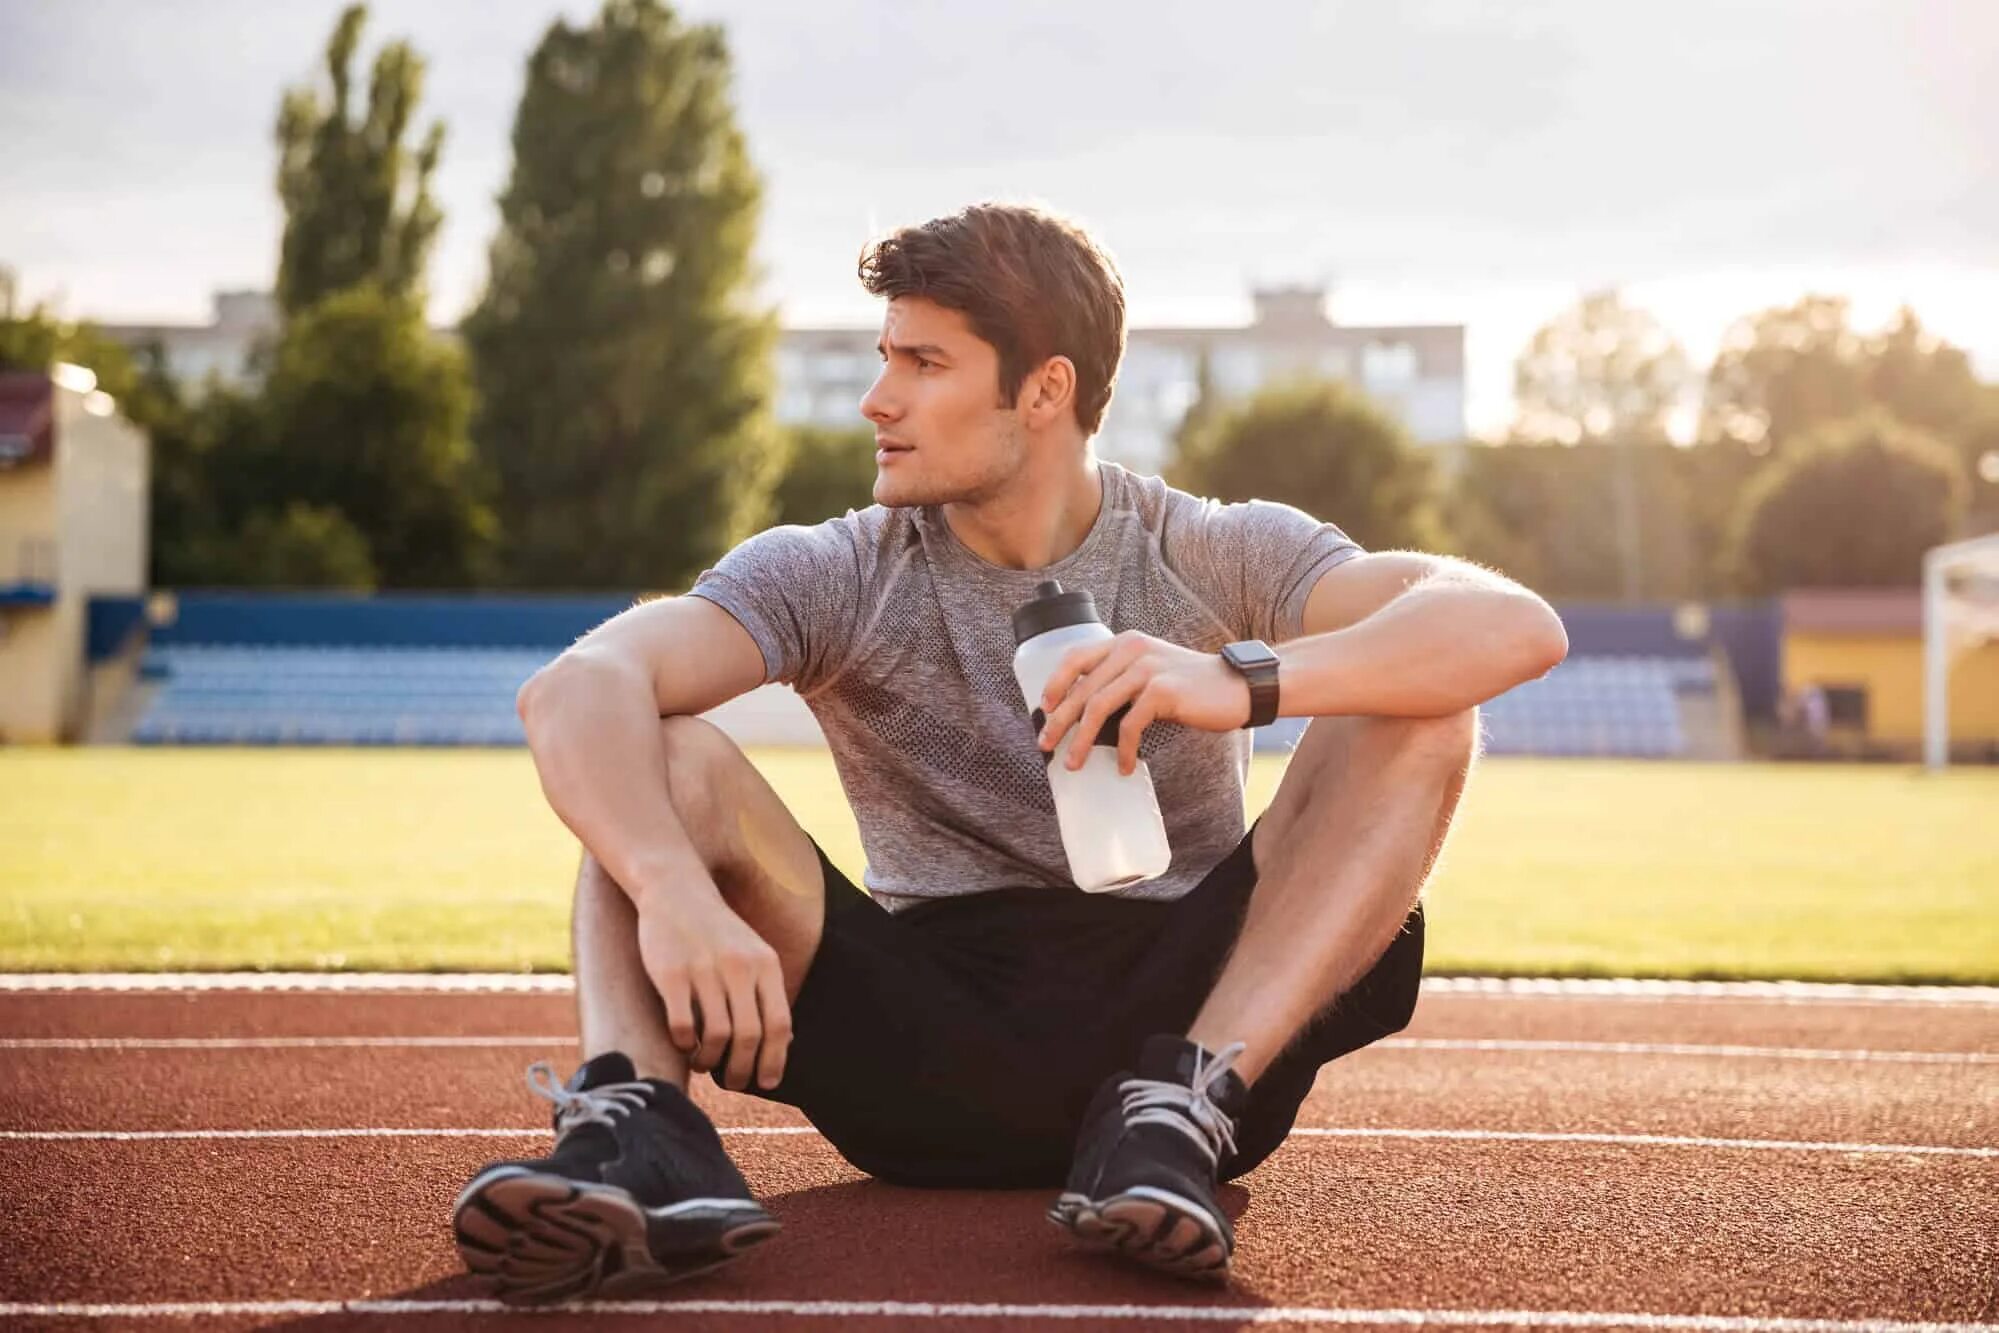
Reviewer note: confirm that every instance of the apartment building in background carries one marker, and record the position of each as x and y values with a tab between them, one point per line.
1417	372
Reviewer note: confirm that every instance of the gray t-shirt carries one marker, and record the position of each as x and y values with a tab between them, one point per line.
900	640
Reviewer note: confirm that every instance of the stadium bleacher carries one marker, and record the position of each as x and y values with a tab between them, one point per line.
238	669
263	695
1609	705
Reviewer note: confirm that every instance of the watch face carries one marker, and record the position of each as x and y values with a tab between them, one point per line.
1251	653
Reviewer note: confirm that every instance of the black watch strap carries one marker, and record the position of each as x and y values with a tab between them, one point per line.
1258	665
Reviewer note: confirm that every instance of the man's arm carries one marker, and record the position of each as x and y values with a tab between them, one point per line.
1397	634
1403	634
592	720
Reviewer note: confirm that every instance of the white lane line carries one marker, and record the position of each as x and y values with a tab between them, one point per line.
363	1132
1471	1044
1466	1135
269	1043
1232	1314
1688	1048
1638	988
429	983
1648	1141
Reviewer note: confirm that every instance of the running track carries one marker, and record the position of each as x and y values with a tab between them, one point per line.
197	1154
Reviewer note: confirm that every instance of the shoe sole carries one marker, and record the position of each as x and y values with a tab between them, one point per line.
539	1238
1153	1226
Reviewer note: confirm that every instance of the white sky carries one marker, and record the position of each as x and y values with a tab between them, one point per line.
1463	162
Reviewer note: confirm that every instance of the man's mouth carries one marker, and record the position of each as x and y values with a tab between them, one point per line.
885	449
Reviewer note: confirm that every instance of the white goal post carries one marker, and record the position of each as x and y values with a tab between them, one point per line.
1960	612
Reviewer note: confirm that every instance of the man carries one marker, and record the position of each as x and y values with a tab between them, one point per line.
973	1019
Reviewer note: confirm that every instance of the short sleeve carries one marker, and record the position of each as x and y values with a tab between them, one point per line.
1256	561
799	592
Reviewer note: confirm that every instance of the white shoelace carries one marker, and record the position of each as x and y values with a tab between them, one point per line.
574	1107
1187	1108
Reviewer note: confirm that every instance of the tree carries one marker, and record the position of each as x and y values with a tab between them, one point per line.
1924	380
1322	446
357	202
306	546
1782	372
623	375
367	415
1207	402
1541	513
36	339
187	544
1853	505
826	473
1601	371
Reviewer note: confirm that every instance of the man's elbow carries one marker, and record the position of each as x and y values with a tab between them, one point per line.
1544	642
532	697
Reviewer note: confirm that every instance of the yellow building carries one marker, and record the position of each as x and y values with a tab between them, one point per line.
1864	649
73	524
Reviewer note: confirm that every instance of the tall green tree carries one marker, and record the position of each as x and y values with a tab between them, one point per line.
37	338
186	544
367	417
357	200
1604	373
1782	372
1538	512
1324	447
1600	371
1853	505
623	373
1924	380
827	471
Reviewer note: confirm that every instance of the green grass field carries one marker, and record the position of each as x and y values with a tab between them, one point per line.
207	859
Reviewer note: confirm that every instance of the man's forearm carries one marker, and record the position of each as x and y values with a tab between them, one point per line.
594	731
1448	643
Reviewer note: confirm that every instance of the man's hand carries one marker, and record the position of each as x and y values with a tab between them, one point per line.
1162	682
721	985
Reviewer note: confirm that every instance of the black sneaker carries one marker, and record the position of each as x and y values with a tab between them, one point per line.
637	1193
1143	1181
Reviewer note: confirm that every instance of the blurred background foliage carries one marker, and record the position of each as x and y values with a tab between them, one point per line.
604	418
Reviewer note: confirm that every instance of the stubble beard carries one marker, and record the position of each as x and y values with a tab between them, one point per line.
997	465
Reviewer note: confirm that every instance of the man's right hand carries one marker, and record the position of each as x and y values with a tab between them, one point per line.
720	982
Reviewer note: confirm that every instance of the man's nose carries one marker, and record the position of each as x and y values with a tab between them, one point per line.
876	405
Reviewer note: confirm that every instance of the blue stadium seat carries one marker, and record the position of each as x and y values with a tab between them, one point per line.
311	695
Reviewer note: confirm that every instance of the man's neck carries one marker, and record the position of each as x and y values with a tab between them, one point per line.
1035	523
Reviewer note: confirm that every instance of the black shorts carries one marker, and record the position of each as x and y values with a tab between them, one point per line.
958	1042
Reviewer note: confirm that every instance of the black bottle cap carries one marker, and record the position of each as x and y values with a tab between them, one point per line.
1052	609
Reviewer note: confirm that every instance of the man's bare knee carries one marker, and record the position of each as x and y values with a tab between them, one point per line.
1451	741
700	760
696	750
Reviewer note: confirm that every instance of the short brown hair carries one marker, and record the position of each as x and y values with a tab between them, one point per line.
1032	284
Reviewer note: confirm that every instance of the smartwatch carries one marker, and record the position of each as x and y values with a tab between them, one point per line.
1258	665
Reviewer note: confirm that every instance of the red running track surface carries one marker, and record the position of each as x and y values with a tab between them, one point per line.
1671	1209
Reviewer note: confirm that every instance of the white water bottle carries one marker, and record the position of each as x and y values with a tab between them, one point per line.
1110	822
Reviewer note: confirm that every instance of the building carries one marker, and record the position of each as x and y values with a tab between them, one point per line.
73	524
220	347
1416	371
1862	650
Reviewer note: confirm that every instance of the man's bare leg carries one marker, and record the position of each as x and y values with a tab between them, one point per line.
760	859
1342	854
578	1223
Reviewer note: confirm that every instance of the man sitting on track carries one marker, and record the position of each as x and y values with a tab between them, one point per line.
972	1019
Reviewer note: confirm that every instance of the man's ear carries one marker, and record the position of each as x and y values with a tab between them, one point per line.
1050	391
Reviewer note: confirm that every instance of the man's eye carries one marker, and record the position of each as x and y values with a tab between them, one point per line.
921	364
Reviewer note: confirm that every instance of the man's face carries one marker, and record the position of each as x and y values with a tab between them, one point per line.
941	436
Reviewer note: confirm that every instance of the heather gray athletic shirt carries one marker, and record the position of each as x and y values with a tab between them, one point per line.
900	640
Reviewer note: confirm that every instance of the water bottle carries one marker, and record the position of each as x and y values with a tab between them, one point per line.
1110	822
